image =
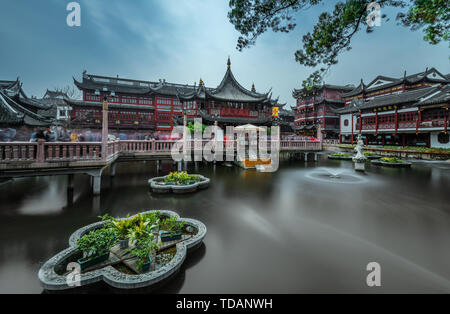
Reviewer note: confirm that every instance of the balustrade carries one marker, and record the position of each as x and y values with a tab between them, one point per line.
42	152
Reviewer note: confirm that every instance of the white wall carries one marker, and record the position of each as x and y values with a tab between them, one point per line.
435	143
348	129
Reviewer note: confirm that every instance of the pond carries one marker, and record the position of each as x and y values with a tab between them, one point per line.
303	229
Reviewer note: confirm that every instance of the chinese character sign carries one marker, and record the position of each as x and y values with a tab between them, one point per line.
275	112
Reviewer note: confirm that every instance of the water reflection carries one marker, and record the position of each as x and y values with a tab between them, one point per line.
304	228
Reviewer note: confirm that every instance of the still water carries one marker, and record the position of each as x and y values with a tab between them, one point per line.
299	230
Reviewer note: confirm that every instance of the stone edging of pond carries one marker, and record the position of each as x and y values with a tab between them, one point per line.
340	157
178	189
391	164
50	280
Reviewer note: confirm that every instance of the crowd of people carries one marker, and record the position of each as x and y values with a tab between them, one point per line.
60	134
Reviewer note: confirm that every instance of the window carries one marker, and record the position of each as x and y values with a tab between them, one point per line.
443	138
146	101
346	122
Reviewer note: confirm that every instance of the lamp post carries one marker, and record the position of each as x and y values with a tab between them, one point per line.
105	129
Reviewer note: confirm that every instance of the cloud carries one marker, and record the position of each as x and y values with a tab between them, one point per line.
183	41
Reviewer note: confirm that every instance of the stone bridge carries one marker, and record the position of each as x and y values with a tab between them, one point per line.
25	159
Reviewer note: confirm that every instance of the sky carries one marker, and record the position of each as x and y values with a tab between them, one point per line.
183	41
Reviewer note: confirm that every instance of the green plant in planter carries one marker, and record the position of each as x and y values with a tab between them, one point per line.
341	155
392	160
97	242
139	231
144	246
152	217
172	225
181	178
368	154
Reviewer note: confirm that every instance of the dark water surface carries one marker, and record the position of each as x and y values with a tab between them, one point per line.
294	231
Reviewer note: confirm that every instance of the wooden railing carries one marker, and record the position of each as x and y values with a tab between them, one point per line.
41	152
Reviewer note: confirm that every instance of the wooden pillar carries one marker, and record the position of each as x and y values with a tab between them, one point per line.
352	128
403	140
376	123
396	121
445	120
419	118
360	123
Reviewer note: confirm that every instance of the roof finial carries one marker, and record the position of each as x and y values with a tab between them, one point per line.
253	87
229	62
201	82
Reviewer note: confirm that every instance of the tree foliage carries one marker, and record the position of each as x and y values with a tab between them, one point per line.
333	32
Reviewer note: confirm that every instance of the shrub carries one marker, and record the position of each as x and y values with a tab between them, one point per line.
391	160
341	155
181	178
97	242
144	246
172	224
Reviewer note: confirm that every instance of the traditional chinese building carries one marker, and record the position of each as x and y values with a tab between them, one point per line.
20	115
229	103
318	107
147	106
411	110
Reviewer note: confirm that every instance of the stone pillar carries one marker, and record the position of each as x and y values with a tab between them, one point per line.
96	176
158	165
315	157
40	154
97	184
112	169
306	158
105	130
179	166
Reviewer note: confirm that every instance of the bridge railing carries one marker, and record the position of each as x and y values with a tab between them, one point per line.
49	151
42	151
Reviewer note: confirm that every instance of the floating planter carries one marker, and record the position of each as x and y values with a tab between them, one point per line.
178	183
393	162
340	156
88	262
148	261
371	155
170	237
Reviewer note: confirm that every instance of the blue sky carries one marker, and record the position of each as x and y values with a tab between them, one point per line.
183	41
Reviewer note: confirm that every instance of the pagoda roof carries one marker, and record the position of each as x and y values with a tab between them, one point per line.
411	97
441	96
382	82
81	103
230	90
297	93
16	108
127	86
